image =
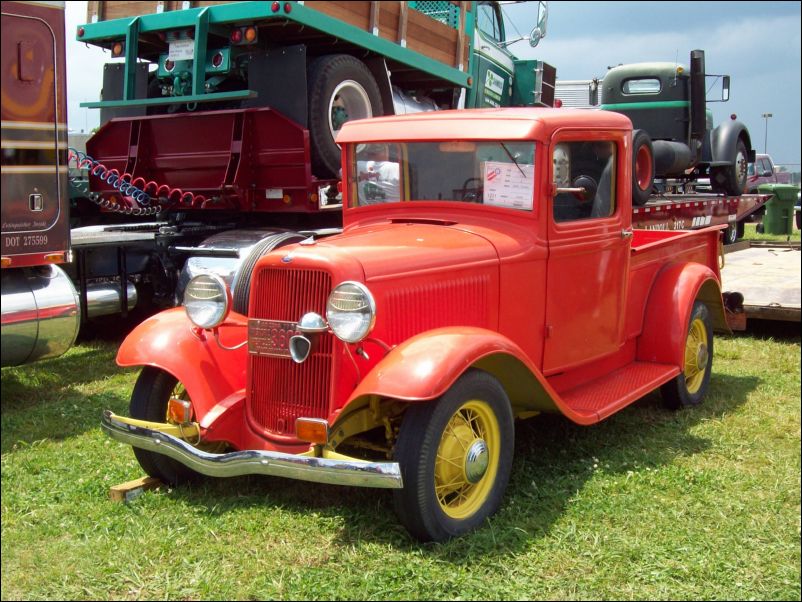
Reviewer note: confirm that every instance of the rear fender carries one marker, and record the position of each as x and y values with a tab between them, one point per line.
208	372
669	308
724	139
424	368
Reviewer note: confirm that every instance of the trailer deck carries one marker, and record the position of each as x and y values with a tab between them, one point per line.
769	278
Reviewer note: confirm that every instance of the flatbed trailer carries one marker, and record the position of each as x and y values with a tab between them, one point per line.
698	210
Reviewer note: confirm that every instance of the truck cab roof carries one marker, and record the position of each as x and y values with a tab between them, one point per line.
516	123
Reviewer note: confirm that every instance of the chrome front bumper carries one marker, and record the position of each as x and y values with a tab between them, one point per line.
385	475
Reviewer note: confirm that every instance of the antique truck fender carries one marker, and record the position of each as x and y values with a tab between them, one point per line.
724	138
425	366
208	372
668	310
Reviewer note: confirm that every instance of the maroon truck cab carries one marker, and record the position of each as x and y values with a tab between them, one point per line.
488	271
40	306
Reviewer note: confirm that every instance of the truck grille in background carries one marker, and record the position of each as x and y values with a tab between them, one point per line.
279	389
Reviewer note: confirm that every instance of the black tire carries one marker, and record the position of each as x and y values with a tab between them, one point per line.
740	230
731	234
343	79
241	286
731	179
437	429
642	167
149	402
690	386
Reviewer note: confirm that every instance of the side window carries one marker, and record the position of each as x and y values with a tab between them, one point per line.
584	177
643	85
488	24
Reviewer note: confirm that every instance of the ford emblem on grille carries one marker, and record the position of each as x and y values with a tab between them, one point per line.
287	258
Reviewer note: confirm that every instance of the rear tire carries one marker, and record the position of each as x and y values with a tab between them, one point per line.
690	386
731	179
642	167
341	88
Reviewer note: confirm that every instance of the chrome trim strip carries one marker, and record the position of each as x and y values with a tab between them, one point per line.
385	475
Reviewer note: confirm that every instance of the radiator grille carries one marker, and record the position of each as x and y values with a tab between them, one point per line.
279	389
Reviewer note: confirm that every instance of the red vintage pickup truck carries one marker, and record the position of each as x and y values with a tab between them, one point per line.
487	271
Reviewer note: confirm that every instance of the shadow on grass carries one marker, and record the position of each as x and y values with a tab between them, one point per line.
552	462
774	330
53	399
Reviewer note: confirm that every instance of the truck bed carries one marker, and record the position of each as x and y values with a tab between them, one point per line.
440	36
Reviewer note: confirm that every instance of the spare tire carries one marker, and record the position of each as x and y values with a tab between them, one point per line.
241	286
642	167
341	88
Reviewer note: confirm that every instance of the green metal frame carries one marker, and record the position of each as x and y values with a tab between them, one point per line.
207	18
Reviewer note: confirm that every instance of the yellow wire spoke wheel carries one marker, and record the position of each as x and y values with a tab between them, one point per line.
696	356
467	459
455	454
690	386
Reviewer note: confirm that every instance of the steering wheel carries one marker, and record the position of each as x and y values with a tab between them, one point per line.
588	184
471	195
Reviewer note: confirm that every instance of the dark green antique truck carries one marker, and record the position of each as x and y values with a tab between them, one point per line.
674	140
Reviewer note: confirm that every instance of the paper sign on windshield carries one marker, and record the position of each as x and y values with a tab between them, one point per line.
509	185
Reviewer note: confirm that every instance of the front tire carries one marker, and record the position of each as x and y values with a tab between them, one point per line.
455	454
690	386
152	392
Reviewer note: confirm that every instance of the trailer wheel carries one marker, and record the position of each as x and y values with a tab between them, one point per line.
241	286
341	88
152	392
731	234
455	454
731	179
690	386
642	167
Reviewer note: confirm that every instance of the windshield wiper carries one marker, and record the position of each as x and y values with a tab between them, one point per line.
509	154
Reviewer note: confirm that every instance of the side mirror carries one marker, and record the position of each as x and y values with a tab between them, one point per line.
766	174
725	88
539	32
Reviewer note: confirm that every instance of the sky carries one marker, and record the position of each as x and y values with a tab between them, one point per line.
756	43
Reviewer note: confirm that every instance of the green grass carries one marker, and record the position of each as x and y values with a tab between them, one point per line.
750	233
650	504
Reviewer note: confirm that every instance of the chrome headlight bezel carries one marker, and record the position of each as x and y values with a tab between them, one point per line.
365	313
196	306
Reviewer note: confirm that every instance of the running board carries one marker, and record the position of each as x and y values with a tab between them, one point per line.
606	395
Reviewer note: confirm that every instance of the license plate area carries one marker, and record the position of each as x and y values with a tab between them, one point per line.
270	337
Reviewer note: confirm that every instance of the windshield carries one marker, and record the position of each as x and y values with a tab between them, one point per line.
490	173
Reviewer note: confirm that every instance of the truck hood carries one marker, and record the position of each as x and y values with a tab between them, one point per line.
393	250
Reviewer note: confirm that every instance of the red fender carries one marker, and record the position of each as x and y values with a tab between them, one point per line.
425	366
209	372
668	310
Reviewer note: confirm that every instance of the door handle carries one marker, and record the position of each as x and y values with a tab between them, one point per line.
626	233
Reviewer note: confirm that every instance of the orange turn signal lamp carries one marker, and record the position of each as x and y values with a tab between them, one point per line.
314	430
6	262
244	35
118	49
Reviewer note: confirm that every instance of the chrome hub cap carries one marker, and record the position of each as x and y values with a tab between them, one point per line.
476	461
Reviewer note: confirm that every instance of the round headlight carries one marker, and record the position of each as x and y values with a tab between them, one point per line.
207	300
351	311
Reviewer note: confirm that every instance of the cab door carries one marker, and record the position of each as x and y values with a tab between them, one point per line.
492	65
589	247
